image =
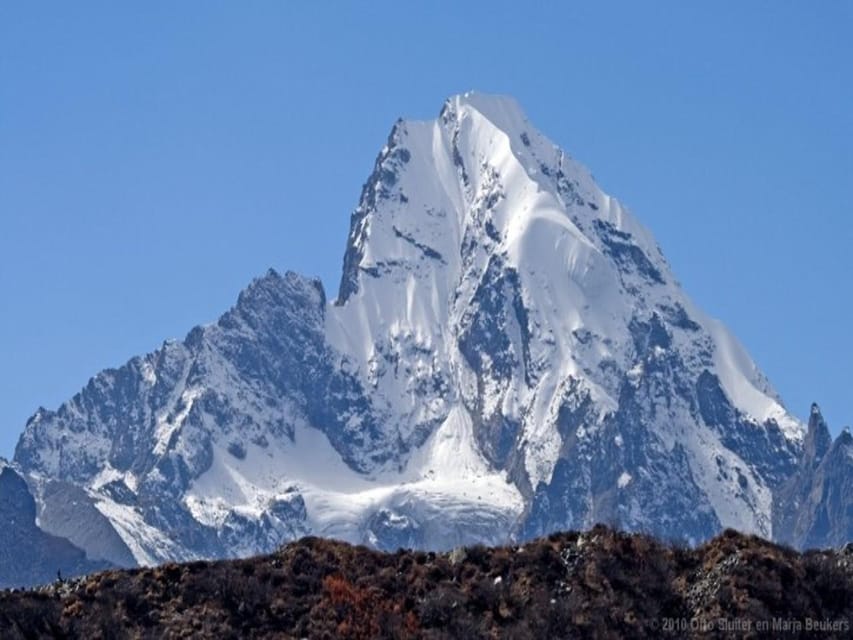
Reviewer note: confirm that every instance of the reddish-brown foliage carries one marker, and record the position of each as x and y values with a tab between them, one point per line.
600	584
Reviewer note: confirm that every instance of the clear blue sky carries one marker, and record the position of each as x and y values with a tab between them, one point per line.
156	156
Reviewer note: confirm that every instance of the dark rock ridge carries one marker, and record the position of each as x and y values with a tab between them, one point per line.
815	507
598	584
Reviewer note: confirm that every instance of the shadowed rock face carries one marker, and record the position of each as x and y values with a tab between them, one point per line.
815	507
28	555
509	354
598	584
67	511
829	513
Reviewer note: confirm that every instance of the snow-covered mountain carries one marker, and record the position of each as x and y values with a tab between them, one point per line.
508	354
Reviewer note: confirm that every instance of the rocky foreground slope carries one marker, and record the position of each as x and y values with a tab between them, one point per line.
600	584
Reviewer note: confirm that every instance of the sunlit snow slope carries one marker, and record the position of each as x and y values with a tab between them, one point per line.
508	354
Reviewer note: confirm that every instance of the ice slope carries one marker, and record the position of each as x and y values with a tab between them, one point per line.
446	477
480	191
508	353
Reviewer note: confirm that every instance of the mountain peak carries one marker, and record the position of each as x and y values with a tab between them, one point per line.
484	101
502	110
818	439
509	354
272	285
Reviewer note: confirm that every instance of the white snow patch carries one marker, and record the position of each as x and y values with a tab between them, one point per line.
148	545
167	424
148	373
448	471
743	383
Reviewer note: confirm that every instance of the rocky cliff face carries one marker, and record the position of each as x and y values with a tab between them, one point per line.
508	354
29	555
814	506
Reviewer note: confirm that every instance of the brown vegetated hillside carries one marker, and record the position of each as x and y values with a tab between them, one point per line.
598	584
